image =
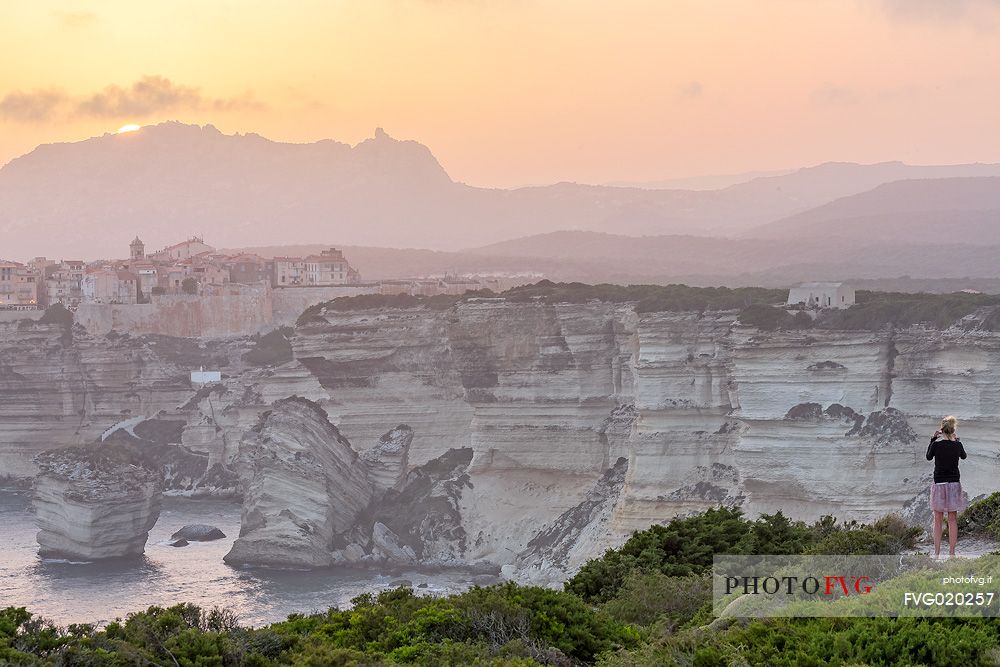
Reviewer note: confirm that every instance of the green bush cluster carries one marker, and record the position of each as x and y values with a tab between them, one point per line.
648	298
818	642
983	517
685	546
272	349
647	603
505	624
759	307
877	310
770	318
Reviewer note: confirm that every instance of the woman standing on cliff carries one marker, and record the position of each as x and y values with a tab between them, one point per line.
946	493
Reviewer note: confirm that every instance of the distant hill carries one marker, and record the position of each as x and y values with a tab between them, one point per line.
943	210
88	199
710	182
594	257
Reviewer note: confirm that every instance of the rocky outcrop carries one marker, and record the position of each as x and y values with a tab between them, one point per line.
421	522
198	532
388	461
96	502
310	500
543	400
302	485
576	535
60	386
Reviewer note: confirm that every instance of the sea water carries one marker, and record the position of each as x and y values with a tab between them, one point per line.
73	592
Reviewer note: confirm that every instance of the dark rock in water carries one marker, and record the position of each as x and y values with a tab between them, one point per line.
198	532
422	585
179	543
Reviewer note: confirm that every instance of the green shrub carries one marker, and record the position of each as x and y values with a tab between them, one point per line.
554	619
776	534
877	310
983	517
57	314
648	298
682	547
272	349
825	641
765	317
646	597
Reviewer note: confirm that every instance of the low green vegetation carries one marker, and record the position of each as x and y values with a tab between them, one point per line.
272	349
770	318
499	625
983	517
877	310
372	301
816	642
57	314
758	307
647	603
685	546
648	298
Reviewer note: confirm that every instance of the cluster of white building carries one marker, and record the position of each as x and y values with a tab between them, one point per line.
196	268
191	267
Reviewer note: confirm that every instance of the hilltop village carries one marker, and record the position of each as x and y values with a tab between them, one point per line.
192	289
193	267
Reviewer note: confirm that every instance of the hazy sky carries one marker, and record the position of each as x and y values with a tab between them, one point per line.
512	92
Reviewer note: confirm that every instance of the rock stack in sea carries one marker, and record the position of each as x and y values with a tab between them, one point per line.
94	502
302	484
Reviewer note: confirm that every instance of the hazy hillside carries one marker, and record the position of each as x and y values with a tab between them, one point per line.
599	257
963	210
167	181
708	182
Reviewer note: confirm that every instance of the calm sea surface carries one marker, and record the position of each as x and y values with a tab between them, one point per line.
92	592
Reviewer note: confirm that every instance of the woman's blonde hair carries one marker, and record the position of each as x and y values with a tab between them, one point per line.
948	424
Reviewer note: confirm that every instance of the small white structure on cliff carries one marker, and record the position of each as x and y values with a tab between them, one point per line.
201	376
822	295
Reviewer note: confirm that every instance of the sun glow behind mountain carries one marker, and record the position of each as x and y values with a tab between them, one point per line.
131	127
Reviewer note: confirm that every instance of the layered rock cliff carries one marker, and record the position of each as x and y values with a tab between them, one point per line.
580	422
302	485
94	502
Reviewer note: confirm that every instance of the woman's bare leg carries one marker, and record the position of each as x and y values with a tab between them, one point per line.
952	532
937	533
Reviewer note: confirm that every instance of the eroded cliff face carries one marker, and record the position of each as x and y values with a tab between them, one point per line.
589	421
302	484
581	422
92	503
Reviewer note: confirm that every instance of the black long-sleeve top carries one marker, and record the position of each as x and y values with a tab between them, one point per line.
946	454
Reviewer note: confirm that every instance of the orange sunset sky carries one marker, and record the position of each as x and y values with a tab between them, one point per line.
524	91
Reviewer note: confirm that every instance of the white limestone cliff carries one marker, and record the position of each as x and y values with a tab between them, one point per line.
302	484
94	503
388	461
543	400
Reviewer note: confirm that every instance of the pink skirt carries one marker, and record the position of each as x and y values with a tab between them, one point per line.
947	497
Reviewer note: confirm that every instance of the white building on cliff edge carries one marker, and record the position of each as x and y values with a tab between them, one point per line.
822	295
